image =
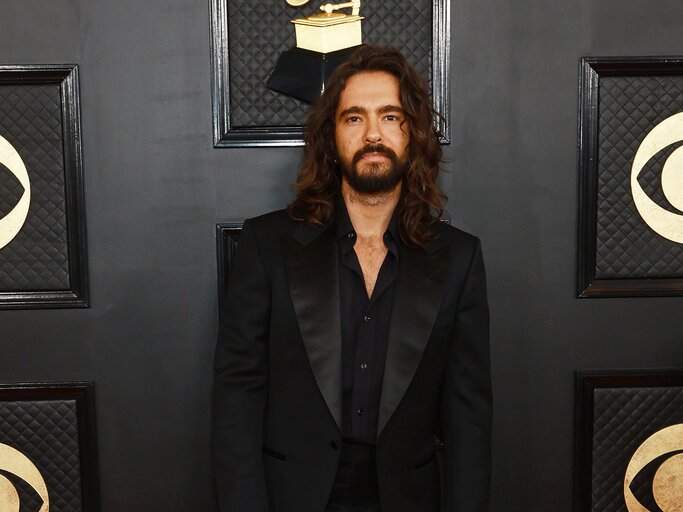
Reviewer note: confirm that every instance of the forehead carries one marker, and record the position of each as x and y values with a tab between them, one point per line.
370	89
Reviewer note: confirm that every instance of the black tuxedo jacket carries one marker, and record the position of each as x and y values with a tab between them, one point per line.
277	383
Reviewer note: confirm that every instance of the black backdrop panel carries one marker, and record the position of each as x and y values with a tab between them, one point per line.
616	412
44	264
31	120
51	425
622	101
630	106
227	238
249	37
257	36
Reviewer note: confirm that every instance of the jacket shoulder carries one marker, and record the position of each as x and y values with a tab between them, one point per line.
269	220
261	235
270	225
453	237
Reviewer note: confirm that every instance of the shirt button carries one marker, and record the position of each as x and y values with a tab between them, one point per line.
366	318
351	235
360	412
364	366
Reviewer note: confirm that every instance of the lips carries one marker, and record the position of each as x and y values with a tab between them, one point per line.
375	156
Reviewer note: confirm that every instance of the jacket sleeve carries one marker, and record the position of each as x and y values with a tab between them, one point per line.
466	399
240	382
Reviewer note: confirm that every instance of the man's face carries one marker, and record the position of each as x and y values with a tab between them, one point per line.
371	132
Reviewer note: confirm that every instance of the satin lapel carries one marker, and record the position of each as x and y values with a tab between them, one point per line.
313	284
416	303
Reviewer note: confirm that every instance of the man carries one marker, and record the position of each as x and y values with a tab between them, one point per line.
352	364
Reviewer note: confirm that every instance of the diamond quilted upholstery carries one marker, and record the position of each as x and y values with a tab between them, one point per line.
629	107
259	31
46	432
623	419
37	258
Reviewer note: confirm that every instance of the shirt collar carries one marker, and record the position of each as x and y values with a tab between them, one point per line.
345	228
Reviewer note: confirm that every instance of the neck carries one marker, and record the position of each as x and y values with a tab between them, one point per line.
370	214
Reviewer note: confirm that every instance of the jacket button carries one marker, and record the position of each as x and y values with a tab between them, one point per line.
334	445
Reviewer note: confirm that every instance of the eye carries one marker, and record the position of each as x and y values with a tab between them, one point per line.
653	475
11	191
650	178
652	485
17	495
659	201
22	487
13	213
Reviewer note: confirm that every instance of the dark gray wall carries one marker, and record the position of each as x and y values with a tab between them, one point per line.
155	188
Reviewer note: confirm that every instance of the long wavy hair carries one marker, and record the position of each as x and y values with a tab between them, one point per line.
318	183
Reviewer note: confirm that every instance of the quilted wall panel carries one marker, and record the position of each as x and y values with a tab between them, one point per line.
47	433
259	31
37	258
623	419
629	107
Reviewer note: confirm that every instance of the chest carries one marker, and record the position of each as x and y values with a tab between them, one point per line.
370	253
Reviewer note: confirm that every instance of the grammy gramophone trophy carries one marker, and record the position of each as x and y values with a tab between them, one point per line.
323	41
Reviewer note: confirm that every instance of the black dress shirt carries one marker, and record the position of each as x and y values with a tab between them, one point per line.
364	332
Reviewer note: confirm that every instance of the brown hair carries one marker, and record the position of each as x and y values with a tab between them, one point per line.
319	182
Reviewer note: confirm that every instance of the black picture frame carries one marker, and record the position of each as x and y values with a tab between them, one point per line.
226	135
47	410
588	476
227	238
593	71
76	294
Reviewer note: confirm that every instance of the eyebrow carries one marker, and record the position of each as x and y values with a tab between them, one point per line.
363	110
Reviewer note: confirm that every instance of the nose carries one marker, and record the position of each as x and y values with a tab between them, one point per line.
372	131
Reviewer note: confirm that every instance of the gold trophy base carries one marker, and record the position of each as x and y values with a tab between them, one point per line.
328	36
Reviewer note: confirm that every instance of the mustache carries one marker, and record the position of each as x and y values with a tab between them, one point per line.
374	148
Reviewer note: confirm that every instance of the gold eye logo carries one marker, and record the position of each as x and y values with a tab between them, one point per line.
666	223
665	448
11	224
14	462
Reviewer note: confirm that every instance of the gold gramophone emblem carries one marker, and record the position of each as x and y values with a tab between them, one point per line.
329	31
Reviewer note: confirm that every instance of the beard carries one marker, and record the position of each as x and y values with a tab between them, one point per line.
375	177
